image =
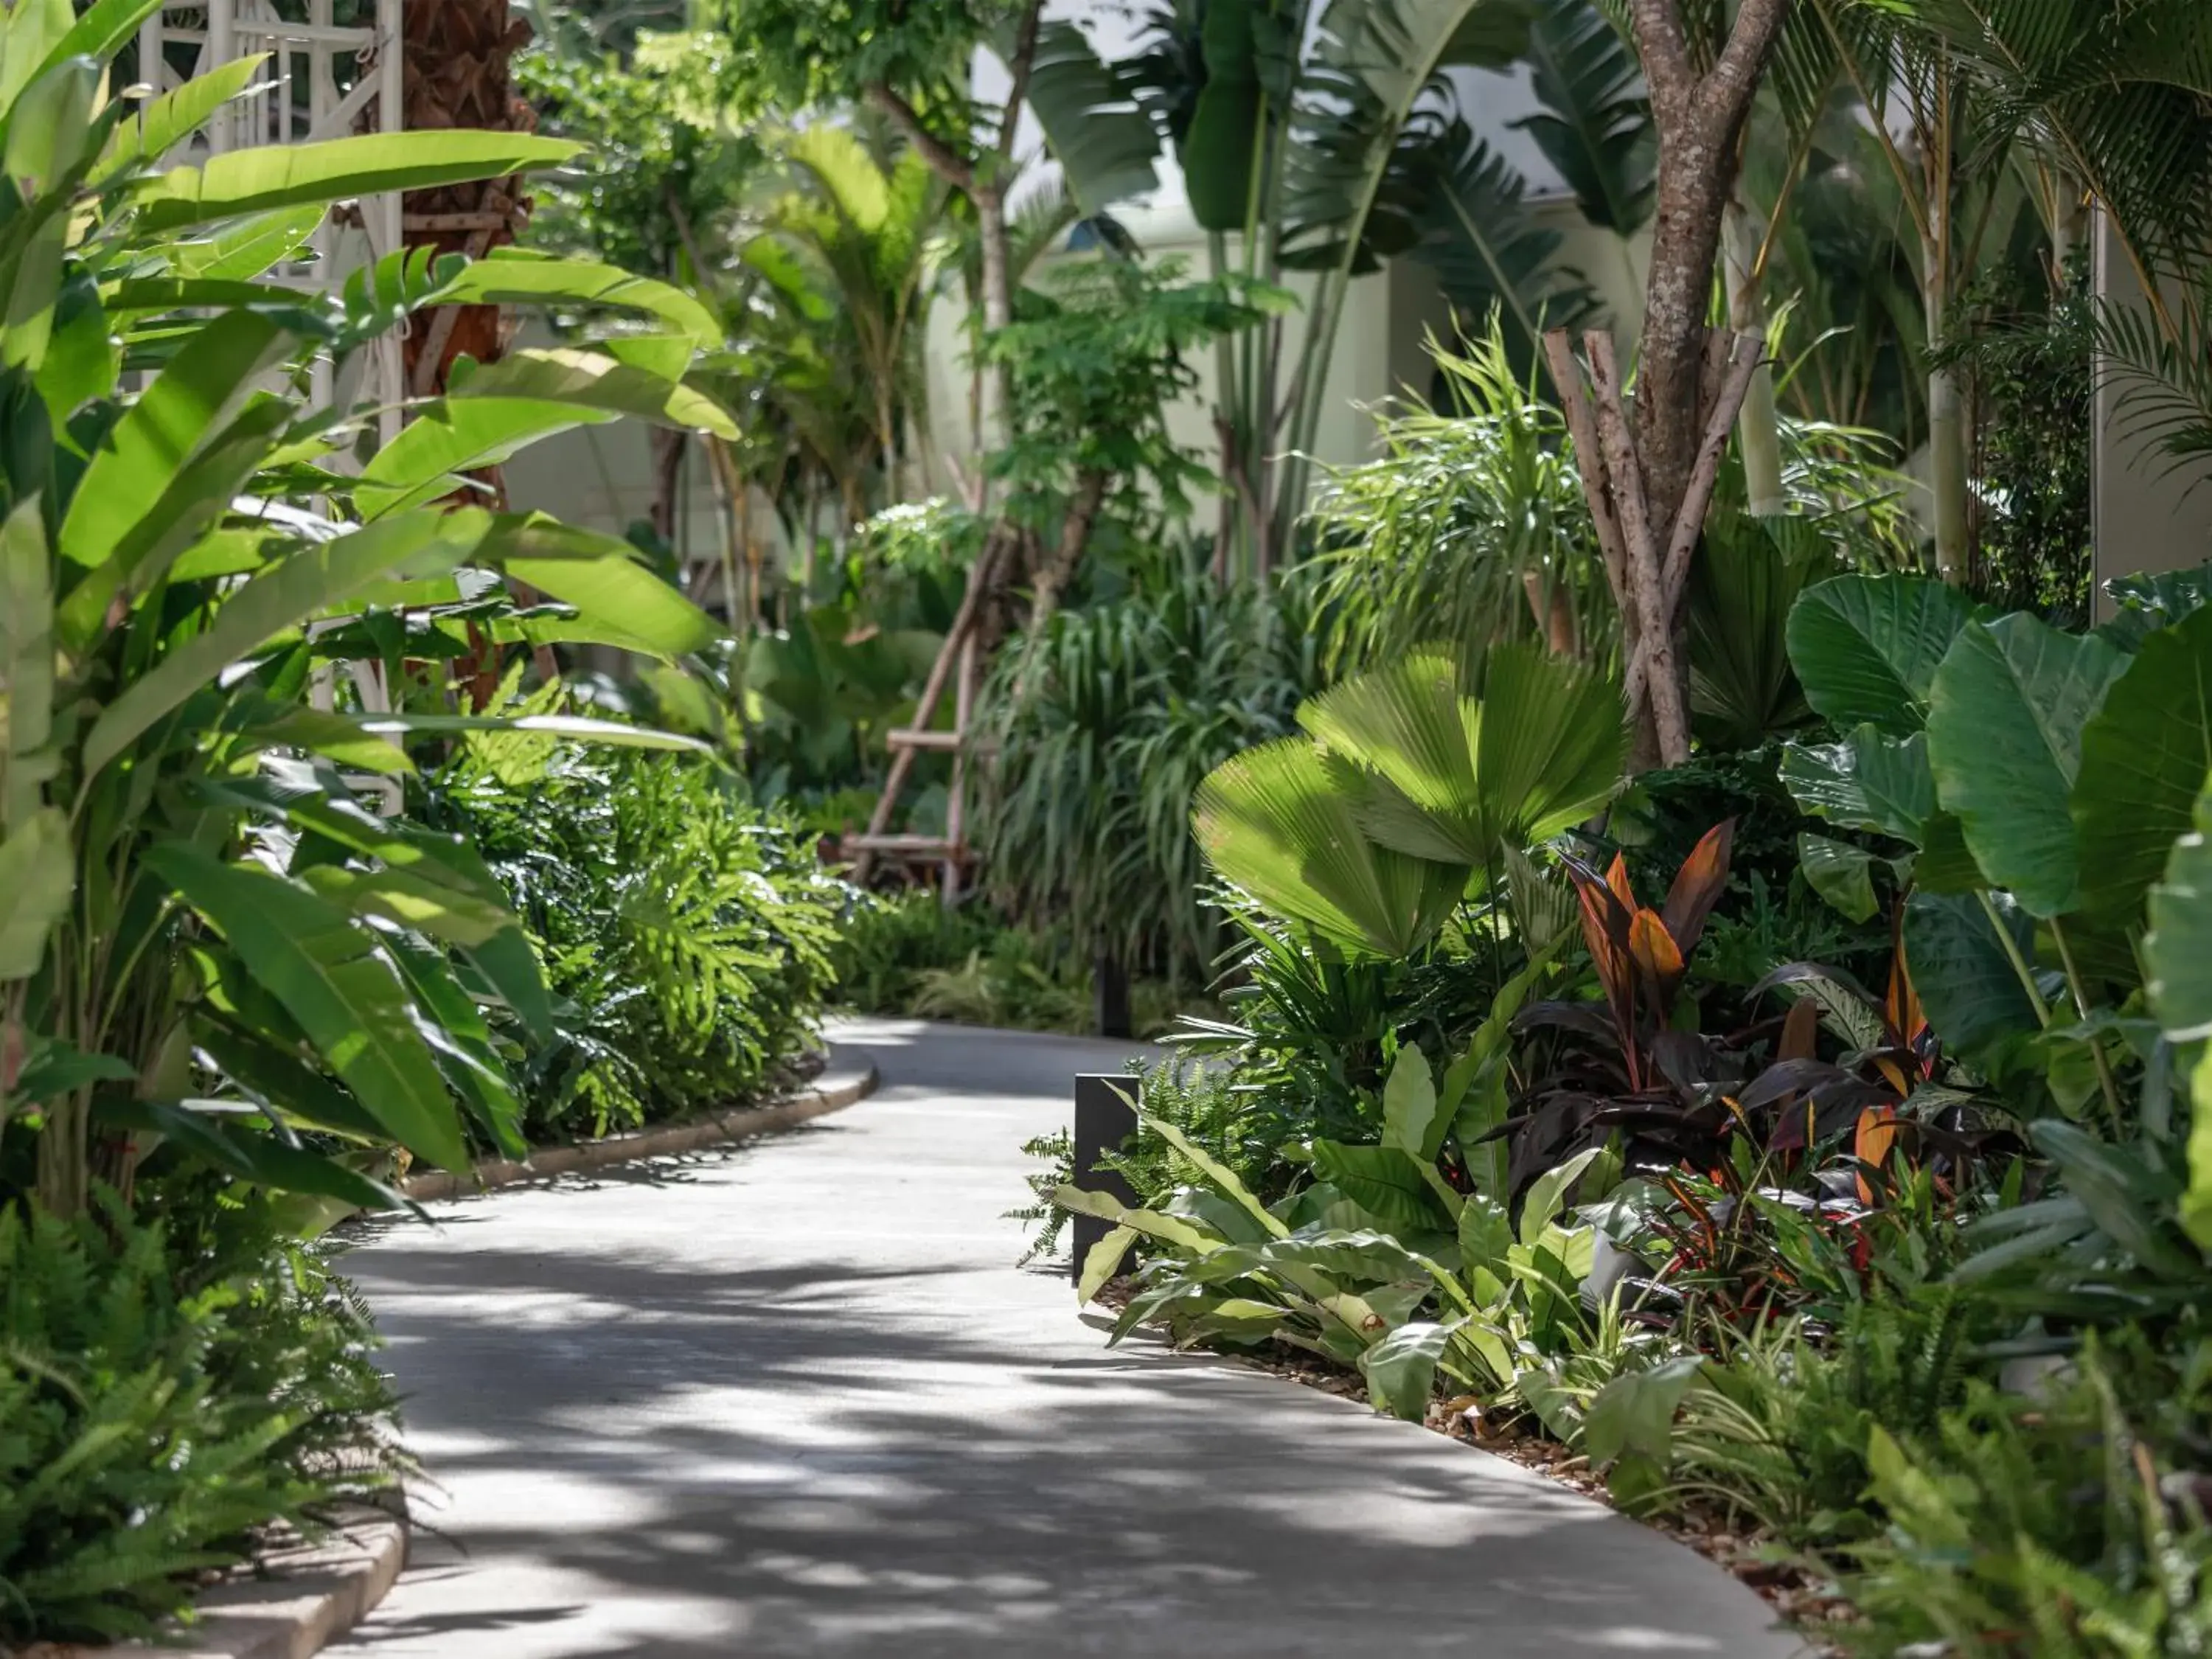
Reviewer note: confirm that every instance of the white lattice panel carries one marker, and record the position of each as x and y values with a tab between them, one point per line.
321	81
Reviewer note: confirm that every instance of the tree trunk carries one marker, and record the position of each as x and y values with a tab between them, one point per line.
459	55
1946	429
459	59
1648	472
668	450
997	414
1053	576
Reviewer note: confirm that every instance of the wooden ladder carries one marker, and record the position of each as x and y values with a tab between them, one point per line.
958	663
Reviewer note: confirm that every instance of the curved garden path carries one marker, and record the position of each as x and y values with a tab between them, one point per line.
794	1401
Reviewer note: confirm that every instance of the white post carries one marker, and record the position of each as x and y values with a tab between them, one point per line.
222	48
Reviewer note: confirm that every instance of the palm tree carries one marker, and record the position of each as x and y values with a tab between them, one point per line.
459	57
2114	103
459	61
858	244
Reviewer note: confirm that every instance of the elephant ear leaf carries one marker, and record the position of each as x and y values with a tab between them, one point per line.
2143	761
2004	736
1866	648
1963	967
2178	952
2179	955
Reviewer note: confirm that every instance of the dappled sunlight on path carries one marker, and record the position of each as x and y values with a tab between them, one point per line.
795	1400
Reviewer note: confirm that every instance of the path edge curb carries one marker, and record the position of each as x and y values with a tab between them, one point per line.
832	1094
339	1582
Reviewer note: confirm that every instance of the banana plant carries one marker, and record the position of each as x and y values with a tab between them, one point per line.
1322	135
207	936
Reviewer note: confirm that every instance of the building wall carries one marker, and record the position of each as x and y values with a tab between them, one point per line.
2147	515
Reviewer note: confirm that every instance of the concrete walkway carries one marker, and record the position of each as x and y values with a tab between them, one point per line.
794	1401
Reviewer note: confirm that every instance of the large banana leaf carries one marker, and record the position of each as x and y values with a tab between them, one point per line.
1222	146
166	121
2005	719
1596	125
197	495
129	473
310	580
1866	647
517	277
38	878
1371	64
1103	141
1468	214
27	660
224	1135
269	176
463	1045
601	577
330	974
456	436
1281	823
2143	763
600	380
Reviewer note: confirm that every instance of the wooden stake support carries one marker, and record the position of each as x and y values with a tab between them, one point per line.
959	664
1648	564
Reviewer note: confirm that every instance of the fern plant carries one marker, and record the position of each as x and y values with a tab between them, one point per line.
686	935
159	1409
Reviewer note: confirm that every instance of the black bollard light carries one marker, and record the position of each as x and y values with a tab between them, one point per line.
1105	1119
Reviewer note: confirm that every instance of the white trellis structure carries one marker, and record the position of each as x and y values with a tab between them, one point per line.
322	80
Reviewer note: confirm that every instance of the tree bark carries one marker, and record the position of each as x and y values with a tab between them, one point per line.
458	56
1699	119
1946	431
459	59
1056	572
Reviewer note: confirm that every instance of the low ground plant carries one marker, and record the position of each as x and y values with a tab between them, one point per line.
161	1407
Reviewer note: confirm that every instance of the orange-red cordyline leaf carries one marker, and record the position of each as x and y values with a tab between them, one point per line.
1698	885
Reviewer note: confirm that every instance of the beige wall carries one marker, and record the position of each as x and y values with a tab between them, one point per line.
2148	515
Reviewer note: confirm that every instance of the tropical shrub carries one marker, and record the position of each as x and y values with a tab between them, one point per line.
686	934
886	943
162	1407
2070	1521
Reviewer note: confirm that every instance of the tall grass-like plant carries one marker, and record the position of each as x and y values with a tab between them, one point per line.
1093	762
1469	527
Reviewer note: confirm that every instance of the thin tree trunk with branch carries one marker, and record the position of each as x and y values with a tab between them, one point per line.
1650	472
